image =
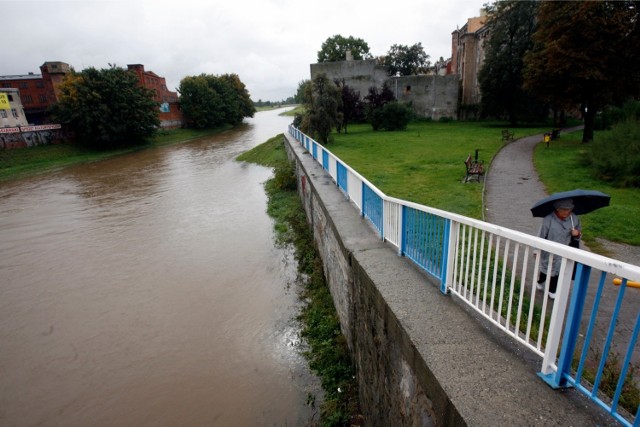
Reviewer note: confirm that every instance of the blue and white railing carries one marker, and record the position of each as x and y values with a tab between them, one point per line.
494	269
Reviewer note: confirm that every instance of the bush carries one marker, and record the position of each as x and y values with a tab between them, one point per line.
285	176
393	116
612	115
297	121
615	157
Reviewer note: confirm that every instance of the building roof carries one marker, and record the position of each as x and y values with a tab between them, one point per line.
29	76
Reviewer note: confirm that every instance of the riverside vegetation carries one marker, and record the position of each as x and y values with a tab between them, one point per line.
327	351
20	162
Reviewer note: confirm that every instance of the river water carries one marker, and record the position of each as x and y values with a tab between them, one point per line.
146	290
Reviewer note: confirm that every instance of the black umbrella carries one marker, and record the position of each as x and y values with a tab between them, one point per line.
585	201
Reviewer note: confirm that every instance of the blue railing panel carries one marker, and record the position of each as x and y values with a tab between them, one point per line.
315	150
372	208
325	160
423	240
342	177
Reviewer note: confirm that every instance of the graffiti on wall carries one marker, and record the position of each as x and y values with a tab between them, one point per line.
30	136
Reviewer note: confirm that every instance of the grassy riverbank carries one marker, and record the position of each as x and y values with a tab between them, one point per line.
327	353
22	162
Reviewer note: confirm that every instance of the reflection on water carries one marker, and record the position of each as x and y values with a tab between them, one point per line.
146	290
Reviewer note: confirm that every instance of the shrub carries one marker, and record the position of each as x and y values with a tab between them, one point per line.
393	116
297	120
612	115
615	157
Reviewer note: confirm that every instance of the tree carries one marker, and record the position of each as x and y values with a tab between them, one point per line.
511	25
200	103
406	60
335	49
351	107
209	101
299	97
322	101
376	100
107	108
583	55
243	107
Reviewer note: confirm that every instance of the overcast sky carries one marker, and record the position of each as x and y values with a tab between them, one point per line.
268	43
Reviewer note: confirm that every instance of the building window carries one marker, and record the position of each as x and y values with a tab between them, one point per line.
43	98
23	85
3	114
14	112
40	85
408	89
10	97
27	99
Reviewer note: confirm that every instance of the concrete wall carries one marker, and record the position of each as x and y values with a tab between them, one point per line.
431	96
421	358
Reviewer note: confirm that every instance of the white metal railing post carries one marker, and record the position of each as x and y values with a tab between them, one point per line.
557	317
454	230
400	224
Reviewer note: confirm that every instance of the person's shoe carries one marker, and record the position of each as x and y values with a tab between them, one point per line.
540	286
552	295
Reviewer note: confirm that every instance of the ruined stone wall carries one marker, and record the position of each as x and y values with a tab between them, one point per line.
431	96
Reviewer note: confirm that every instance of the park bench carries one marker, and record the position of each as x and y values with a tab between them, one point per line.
507	136
474	169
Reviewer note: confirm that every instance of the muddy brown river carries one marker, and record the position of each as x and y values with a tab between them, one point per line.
146	290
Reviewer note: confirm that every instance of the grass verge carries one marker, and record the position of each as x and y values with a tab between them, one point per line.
327	353
22	162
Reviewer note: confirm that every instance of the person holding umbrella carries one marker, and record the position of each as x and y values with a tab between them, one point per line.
561	225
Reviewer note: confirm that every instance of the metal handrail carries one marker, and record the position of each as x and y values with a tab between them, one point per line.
494	270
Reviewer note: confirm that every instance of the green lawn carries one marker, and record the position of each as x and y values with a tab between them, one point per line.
561	168
424	163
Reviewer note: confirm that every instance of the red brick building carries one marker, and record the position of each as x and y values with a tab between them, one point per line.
170	112
38	91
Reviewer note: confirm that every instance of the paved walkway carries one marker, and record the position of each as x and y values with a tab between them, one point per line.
512	186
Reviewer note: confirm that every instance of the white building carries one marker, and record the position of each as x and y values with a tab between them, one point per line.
11	111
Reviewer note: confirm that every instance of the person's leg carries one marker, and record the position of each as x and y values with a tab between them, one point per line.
553	285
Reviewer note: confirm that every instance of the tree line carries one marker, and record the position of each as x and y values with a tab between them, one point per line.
543	59
110	109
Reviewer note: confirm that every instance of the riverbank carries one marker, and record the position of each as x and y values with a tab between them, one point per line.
23	162
327	353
